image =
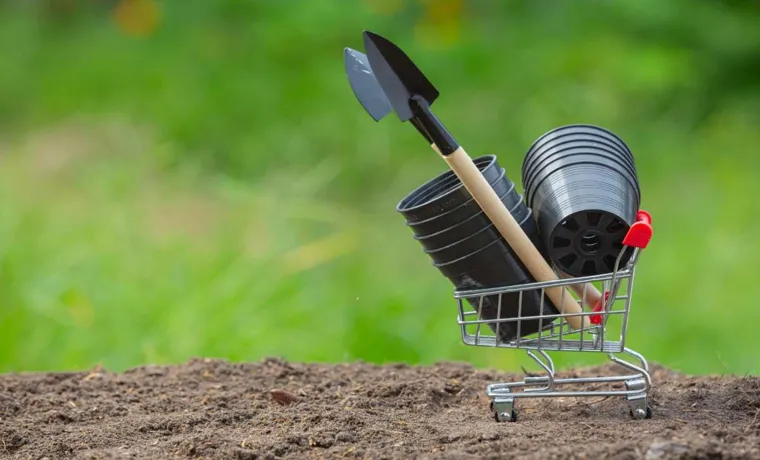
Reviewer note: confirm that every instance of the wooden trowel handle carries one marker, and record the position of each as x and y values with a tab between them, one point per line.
592	297
463	166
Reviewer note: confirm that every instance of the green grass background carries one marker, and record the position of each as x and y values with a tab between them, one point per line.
214	189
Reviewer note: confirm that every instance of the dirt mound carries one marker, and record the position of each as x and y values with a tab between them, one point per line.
215	409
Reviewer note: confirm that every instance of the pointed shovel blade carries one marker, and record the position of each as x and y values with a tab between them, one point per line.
398	76
364	84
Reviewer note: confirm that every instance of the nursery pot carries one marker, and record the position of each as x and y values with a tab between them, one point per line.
574	150
495	265
446	201
571	159
466	248
470	227
583	212
572	132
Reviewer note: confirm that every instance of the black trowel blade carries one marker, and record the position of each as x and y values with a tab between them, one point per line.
364	84
397	75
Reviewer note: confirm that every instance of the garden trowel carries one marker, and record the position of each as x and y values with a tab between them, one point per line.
410	94
367	90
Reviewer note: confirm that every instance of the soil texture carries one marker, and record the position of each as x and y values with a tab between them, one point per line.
208	408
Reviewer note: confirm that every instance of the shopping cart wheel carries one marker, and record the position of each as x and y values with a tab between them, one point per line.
637	400
501	417
638	415
503	409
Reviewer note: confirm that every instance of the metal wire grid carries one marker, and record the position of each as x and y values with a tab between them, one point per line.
554	332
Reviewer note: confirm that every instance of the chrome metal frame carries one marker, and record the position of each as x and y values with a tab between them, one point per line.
561	337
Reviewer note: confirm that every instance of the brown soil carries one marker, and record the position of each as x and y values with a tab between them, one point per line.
216	409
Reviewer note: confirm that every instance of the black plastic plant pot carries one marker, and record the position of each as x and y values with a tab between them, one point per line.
445	193
505	190
569	140
562	133
470	227
583	214
466	263
574	133
496	265
468	242
574	157
568	164
417	203
574	148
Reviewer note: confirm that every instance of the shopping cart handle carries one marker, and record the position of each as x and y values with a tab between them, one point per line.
640	233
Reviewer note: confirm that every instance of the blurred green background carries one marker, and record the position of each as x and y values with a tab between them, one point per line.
196	178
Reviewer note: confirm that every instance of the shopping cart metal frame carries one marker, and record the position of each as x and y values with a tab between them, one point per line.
615	304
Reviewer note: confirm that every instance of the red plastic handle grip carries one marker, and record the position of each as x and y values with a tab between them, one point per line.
597	319
640	233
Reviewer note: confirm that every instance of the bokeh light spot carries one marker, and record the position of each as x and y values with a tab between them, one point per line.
441	23
386	7
138	18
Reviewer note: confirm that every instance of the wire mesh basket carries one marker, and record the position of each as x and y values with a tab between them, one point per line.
603	329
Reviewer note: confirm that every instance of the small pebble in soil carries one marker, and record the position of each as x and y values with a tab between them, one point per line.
283	397
666	449
344	436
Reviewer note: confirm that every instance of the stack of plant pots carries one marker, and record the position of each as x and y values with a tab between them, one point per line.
466	247
581	183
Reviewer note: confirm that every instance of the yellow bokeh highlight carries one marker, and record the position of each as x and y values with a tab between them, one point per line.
385	7
441	24
78	306
138	18
318	252
443	10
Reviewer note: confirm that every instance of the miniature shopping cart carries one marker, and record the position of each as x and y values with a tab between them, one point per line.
608	322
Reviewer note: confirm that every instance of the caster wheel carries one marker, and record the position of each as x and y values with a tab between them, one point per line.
647	416
512	418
